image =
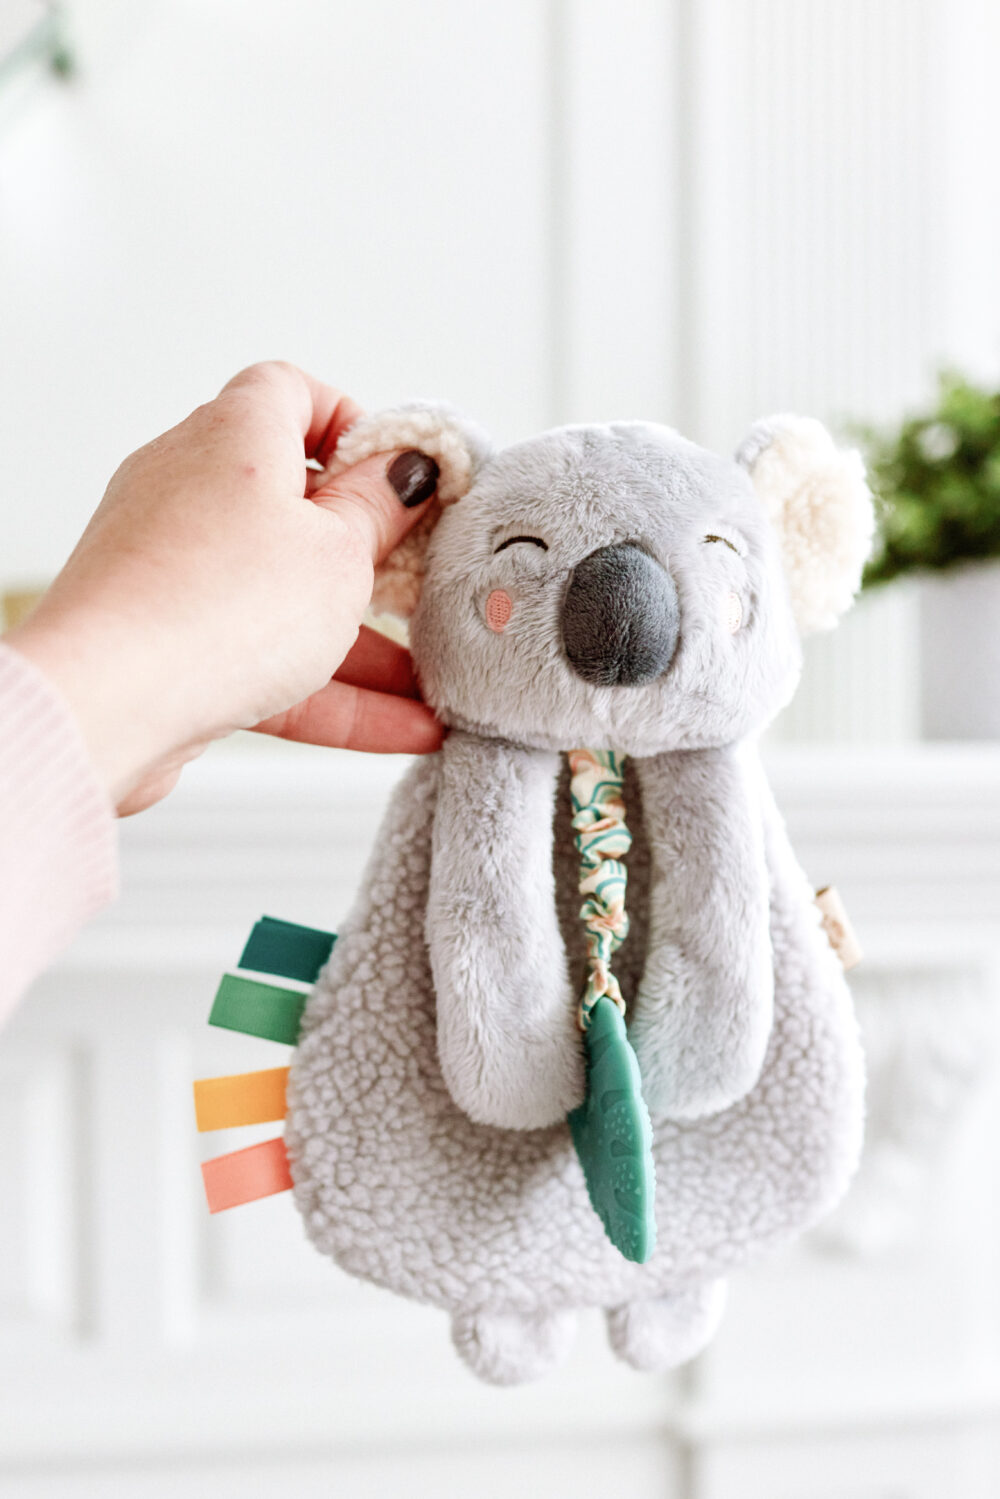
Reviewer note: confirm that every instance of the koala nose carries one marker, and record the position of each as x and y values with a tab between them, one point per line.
620	617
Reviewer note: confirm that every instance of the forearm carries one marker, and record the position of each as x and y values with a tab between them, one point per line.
102	668
58	841
507	1037
704	1006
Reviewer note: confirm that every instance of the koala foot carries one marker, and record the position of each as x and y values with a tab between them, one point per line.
661	1334
506	1348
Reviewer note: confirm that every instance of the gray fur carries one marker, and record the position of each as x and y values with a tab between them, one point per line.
439	1055
579	489
506	1017
702	1015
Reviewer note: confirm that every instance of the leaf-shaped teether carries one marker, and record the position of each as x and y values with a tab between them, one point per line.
614	1138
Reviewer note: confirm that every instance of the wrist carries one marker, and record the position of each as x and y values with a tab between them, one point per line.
110	692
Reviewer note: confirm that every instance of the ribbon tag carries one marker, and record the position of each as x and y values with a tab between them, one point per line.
285	950
267	1010
246	1175
241	1098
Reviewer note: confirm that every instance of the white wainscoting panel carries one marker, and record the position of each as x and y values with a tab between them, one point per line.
813	257
836	233
146	1344
42	1093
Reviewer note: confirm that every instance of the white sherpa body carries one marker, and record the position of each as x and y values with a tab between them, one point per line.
398	1186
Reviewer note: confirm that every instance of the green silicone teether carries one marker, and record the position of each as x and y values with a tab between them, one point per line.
611	1128
613	1136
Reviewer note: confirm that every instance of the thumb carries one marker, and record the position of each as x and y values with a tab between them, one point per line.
383	496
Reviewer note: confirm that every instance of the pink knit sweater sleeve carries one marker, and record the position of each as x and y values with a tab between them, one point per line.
58	839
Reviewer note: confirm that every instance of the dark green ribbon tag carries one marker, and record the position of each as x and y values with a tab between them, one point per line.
287	950
614	1138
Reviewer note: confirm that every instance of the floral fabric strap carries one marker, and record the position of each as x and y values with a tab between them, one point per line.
603	840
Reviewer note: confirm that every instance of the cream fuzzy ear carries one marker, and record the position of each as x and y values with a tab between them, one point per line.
457	446
819	503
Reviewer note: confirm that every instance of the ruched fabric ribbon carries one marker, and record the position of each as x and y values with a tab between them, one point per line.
603	840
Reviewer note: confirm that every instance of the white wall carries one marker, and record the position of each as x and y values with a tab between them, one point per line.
360	188
697	210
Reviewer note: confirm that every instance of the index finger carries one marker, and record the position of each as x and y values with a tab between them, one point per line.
357	718
321	413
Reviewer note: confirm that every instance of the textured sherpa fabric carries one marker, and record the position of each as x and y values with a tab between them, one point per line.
820	506
457	446
427	1099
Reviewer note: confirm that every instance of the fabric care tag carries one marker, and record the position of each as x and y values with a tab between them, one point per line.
837	925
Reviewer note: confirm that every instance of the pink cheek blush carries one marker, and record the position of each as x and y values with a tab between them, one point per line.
499	609
734	613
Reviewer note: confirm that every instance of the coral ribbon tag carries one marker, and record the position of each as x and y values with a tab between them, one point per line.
246	1175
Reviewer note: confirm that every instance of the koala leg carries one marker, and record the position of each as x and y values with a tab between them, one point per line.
506	1348
661	1334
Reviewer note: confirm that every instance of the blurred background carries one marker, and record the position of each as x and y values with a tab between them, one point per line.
693	211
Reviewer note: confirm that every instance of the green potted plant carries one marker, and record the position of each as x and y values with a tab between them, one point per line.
937	481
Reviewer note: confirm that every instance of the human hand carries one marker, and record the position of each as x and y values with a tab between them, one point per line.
219	586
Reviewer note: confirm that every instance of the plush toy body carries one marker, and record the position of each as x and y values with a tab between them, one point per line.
611	588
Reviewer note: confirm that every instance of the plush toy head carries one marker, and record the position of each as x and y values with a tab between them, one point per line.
619	586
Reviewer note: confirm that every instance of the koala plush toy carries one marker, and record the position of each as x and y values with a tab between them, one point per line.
616	588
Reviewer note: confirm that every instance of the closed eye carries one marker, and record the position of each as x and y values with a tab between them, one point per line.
726	543
513	540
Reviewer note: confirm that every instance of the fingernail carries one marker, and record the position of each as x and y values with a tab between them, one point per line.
413	476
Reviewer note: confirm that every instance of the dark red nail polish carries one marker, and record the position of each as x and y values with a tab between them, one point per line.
414	477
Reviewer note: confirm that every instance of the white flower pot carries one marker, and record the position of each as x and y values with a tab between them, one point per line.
960	652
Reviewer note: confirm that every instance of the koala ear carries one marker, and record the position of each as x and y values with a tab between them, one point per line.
819	504
458	447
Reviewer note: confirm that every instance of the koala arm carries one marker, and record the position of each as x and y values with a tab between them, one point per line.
702	1015
508	1043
